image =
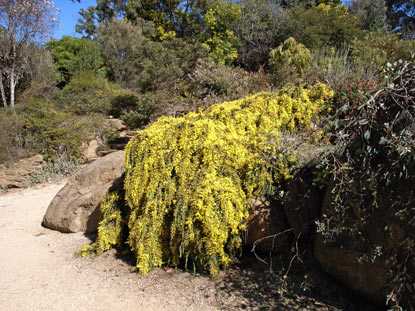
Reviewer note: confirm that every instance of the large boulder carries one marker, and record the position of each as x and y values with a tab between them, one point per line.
344	257
302	206
267	227
76	207
17	175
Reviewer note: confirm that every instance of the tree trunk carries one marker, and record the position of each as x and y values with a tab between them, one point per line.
13	69
3	95
12	86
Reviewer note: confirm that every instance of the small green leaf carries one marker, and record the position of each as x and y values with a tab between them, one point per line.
367	135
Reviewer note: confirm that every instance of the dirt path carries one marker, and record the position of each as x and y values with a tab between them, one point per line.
38	269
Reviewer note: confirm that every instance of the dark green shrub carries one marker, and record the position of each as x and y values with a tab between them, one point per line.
14	145
374	174
143	65
73	55
289	62
371	53
135	111
212	83
88	93
323	25
54	132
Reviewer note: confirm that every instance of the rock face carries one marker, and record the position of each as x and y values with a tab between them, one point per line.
303	205
367	279
17	175
341	258
266	226
76	207
90	153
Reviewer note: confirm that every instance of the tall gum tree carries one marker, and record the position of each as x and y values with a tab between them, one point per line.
22	23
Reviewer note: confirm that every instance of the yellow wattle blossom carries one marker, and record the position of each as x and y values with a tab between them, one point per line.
188	179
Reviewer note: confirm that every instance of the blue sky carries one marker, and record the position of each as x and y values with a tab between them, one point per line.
68	16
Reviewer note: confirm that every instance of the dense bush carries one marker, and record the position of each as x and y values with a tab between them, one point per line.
144	65
374	172
289	62
212	83
73	55
13	143
54	131
330	65
135	110
88	93
188	179
40	80
371	53
324	25
260	28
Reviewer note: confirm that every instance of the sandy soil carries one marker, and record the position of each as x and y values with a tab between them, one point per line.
39	271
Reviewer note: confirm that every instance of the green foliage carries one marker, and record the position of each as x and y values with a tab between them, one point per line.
163	13
40	78
371	53
13	144
188	179
143	65
87	24
372	14
212	83
330	65
260	28
38	125
374	175
289	61
54	131
88	93
135	111
309	3
218	38
106	11
72	56
323	25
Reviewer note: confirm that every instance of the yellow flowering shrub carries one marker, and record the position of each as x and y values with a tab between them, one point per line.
188	179
112	225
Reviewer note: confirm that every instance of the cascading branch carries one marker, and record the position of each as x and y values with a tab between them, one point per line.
188	179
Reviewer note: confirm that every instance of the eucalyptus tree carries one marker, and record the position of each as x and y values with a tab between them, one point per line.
22	23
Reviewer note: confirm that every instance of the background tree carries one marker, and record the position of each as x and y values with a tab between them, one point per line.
104	12
73	55
145	65
39	80
372	14
88	22
260	28
21	23
323	25
401	15
218	36
184	17
308	3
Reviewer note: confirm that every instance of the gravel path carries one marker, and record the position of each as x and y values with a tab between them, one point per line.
38	269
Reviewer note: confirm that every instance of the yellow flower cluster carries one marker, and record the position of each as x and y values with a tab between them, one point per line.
188	179
111	226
